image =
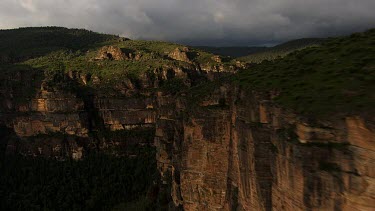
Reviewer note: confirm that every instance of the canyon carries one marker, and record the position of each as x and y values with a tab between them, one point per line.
220	146
234	150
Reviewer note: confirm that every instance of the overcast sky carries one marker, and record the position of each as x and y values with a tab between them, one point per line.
197	22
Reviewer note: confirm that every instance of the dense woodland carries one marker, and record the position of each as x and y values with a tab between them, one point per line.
30	42
335	78
98	182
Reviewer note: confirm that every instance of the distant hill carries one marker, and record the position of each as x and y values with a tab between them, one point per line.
232	51
30	42
254	54
281	50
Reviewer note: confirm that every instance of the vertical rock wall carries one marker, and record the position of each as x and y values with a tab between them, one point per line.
234	151
248	154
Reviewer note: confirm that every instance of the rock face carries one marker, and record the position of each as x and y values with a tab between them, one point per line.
180	54
110	52
58	124
217	59
234	151
247	154
71	123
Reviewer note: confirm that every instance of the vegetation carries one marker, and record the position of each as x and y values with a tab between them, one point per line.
174	85
199	92
337	77
259	54
21	79
57	51
232	51
281	50
109	71
24	43
98	182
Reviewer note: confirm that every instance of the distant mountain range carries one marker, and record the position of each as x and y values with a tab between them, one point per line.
257	54
233	51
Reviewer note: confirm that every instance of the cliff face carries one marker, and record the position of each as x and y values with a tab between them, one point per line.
55	123
237	151
43	119
230	148
233	151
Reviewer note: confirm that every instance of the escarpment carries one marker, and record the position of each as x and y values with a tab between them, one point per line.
47	120
232	151
237	151
102	96
273	137
228	135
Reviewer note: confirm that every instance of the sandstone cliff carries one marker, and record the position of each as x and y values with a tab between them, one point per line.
237	151
61	115
234	150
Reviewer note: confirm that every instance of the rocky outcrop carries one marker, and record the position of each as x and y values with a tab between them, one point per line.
180	54
111	53
116	53
238	151
217	59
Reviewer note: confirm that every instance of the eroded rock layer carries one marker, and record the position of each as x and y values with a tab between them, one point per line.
233	151
237	151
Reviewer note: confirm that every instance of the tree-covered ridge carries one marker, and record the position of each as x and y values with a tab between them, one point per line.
281	50
233	52
30	42
57	51
336	77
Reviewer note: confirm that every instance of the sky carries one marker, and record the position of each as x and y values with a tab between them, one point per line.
197	22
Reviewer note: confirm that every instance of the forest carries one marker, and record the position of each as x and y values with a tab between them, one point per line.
97	182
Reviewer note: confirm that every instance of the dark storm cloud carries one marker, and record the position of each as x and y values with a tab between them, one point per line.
213	22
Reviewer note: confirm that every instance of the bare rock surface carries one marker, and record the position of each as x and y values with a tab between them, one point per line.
111	53
252	155
180	54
